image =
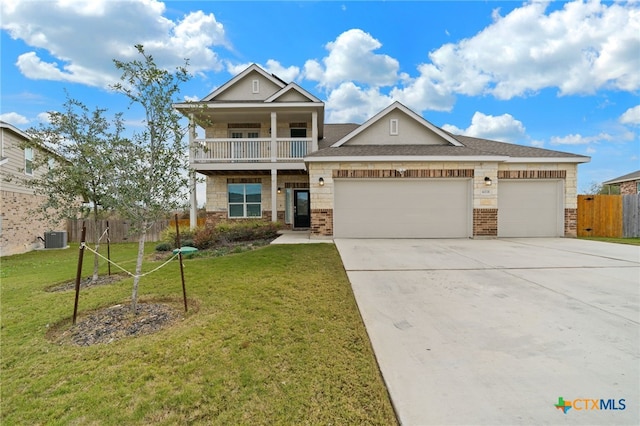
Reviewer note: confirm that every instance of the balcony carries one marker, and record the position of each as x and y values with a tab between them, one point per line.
251	150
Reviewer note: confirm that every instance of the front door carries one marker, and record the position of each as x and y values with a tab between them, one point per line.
301	209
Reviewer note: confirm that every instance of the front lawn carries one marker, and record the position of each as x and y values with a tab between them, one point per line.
632	241
273	336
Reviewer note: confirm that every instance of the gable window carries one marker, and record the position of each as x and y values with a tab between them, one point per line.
28	161
255	86
393	127
245	200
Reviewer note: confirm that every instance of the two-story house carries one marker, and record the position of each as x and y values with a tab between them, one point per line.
267	153
20	229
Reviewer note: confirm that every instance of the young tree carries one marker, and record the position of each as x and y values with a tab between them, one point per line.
152	166
79	163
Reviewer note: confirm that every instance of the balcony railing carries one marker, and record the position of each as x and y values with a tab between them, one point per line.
251	150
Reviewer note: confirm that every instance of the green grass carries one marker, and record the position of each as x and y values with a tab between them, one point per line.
276	339
632	241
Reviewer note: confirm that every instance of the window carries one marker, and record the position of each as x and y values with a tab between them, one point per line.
638	187
255	86
28	161
245	200
393	126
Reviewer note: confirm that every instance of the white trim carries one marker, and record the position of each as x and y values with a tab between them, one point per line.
397	105
203	167
290	87
252	67
246	105
394	128
408	158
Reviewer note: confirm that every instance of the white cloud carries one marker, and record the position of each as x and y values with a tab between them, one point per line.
44	117
631	116
501	128
81	37
349	103
14	118
352	58
288	74
579	49
578	139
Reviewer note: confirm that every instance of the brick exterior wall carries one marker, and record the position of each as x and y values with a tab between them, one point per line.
20	228
570	222
322	222
630	187
485	222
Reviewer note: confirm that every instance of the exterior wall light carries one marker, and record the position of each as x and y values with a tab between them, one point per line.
487	181
279	190
321	181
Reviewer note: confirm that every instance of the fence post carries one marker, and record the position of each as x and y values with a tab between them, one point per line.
79	273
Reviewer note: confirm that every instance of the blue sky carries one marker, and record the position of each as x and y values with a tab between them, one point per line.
559	75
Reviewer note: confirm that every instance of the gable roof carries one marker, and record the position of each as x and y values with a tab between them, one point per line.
624	178
251	68
398	106
291	87
467	148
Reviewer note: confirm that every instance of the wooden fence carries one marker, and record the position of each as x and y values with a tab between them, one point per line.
608	216
119	230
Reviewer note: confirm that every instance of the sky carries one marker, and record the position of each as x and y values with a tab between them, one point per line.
556	75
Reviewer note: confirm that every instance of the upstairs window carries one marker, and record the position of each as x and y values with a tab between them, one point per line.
28	161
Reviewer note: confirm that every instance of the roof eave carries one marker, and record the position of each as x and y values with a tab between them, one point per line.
404	158
548	159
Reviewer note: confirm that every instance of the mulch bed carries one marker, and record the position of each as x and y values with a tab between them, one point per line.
87	283
117	322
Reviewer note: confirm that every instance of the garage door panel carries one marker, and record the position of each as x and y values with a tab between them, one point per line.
530	209
402	209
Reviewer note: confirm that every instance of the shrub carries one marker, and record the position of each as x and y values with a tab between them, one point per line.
232	232
169	235
164	247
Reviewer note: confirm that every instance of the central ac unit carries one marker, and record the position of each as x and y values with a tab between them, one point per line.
55	239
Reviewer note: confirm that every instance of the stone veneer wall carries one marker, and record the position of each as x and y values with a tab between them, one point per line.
627	188
485	222
20	228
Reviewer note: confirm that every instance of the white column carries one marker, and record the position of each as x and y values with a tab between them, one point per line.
274	135
193	213
314	131
274	195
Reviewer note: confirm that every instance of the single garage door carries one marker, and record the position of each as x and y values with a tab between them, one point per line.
530	208
416	208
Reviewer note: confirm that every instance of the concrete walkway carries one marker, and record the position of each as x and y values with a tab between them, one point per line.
299	237
473	332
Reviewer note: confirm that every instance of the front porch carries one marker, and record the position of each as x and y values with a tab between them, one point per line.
275	195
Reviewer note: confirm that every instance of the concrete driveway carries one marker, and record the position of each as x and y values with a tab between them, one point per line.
475	332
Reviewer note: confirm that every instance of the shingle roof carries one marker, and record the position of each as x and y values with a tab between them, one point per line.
630	176
472	147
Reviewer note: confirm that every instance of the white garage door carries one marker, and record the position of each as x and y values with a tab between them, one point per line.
530	208
420	208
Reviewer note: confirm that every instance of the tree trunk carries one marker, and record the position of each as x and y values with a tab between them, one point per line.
136	279
96	238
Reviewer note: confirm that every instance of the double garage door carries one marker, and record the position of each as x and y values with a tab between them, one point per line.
442	208
420	208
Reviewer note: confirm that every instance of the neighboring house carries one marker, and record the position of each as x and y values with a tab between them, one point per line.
629	183
267	153
20	229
